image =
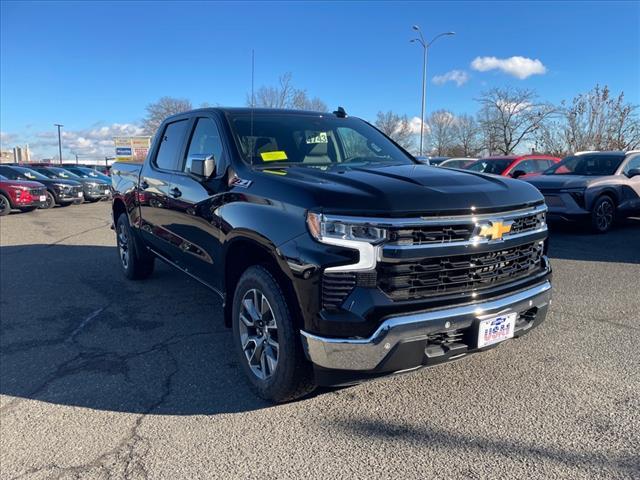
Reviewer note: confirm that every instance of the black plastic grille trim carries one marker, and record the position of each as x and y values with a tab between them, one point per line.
411	280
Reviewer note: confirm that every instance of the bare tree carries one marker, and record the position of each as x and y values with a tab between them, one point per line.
510	117
158	111
442	131
597	121
396	127
285	95
466	134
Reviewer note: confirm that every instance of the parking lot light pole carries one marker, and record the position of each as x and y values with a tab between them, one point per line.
425	52
59	141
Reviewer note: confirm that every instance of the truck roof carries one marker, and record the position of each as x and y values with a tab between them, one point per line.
247	110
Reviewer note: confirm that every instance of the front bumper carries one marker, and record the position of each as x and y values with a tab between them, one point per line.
414	340
562	206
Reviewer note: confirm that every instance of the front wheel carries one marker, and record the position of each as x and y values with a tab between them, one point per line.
135	263
266	341
50	202
603	214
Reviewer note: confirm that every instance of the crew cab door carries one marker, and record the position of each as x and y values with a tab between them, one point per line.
155	187
194	201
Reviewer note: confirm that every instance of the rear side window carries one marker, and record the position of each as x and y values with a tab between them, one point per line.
205	141
171	144
527	166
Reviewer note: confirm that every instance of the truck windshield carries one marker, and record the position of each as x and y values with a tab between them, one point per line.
591	165
289	139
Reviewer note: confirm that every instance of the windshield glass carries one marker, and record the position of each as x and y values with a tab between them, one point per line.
591	165
86	172
28	174
62	173
286	139
490	166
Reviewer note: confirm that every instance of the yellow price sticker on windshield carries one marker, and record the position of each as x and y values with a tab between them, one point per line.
273	156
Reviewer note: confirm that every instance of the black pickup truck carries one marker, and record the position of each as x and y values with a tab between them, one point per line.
337	256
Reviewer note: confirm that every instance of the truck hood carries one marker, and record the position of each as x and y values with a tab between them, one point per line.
21	183
560	182
401	189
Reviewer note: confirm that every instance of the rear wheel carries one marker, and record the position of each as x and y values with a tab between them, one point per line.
136	264
5	206
603	214
266	341
50	201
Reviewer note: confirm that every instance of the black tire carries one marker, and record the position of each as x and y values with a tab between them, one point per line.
5	205
27	209
50	202
292	376
136	264
603	214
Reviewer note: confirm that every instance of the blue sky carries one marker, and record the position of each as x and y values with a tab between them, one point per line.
95	66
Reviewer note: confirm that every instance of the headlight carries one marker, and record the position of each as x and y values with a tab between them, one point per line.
60	186
348	233
324	227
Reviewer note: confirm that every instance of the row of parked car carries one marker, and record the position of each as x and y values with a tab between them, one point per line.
594	186
27	188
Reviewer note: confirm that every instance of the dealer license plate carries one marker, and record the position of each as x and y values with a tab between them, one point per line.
43	198
496	329
106	192
80	194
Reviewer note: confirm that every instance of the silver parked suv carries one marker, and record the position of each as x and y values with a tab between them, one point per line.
596	186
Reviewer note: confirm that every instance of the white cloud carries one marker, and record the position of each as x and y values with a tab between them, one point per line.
415	125
91	142
519	67
7	139
459	77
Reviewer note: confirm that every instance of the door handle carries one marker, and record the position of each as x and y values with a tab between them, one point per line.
143	184
175	192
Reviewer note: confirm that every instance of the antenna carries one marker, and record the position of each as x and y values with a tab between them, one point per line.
253	104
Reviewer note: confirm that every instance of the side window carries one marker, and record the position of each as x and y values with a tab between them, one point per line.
527	166
205	141
169	152
634	163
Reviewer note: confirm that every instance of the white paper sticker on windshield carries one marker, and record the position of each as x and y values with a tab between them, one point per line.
317	137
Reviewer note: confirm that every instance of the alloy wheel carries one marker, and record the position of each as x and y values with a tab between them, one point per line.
604	215
3	203
123	245
259	334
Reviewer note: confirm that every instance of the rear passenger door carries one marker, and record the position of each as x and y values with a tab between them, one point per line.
194	200
155	194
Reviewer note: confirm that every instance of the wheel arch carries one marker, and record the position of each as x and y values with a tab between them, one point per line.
243	252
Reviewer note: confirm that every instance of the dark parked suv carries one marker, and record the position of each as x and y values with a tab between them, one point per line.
59	191
338	258
94	189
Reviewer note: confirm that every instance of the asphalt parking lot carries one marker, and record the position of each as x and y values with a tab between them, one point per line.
104	378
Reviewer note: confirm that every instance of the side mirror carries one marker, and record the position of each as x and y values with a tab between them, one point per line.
633	172
202	165
518	173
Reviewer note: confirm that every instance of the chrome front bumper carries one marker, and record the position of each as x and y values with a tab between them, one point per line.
366	354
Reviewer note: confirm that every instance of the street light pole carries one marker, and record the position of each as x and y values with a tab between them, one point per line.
59	141
425	53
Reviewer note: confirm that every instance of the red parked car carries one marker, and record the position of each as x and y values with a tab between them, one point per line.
513	165
20	194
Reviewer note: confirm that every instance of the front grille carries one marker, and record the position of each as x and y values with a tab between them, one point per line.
423	235
444	234
415	279
36	192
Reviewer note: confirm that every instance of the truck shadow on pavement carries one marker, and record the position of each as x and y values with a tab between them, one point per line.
75	332
572	241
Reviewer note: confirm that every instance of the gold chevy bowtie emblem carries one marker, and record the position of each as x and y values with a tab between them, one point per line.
495	230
